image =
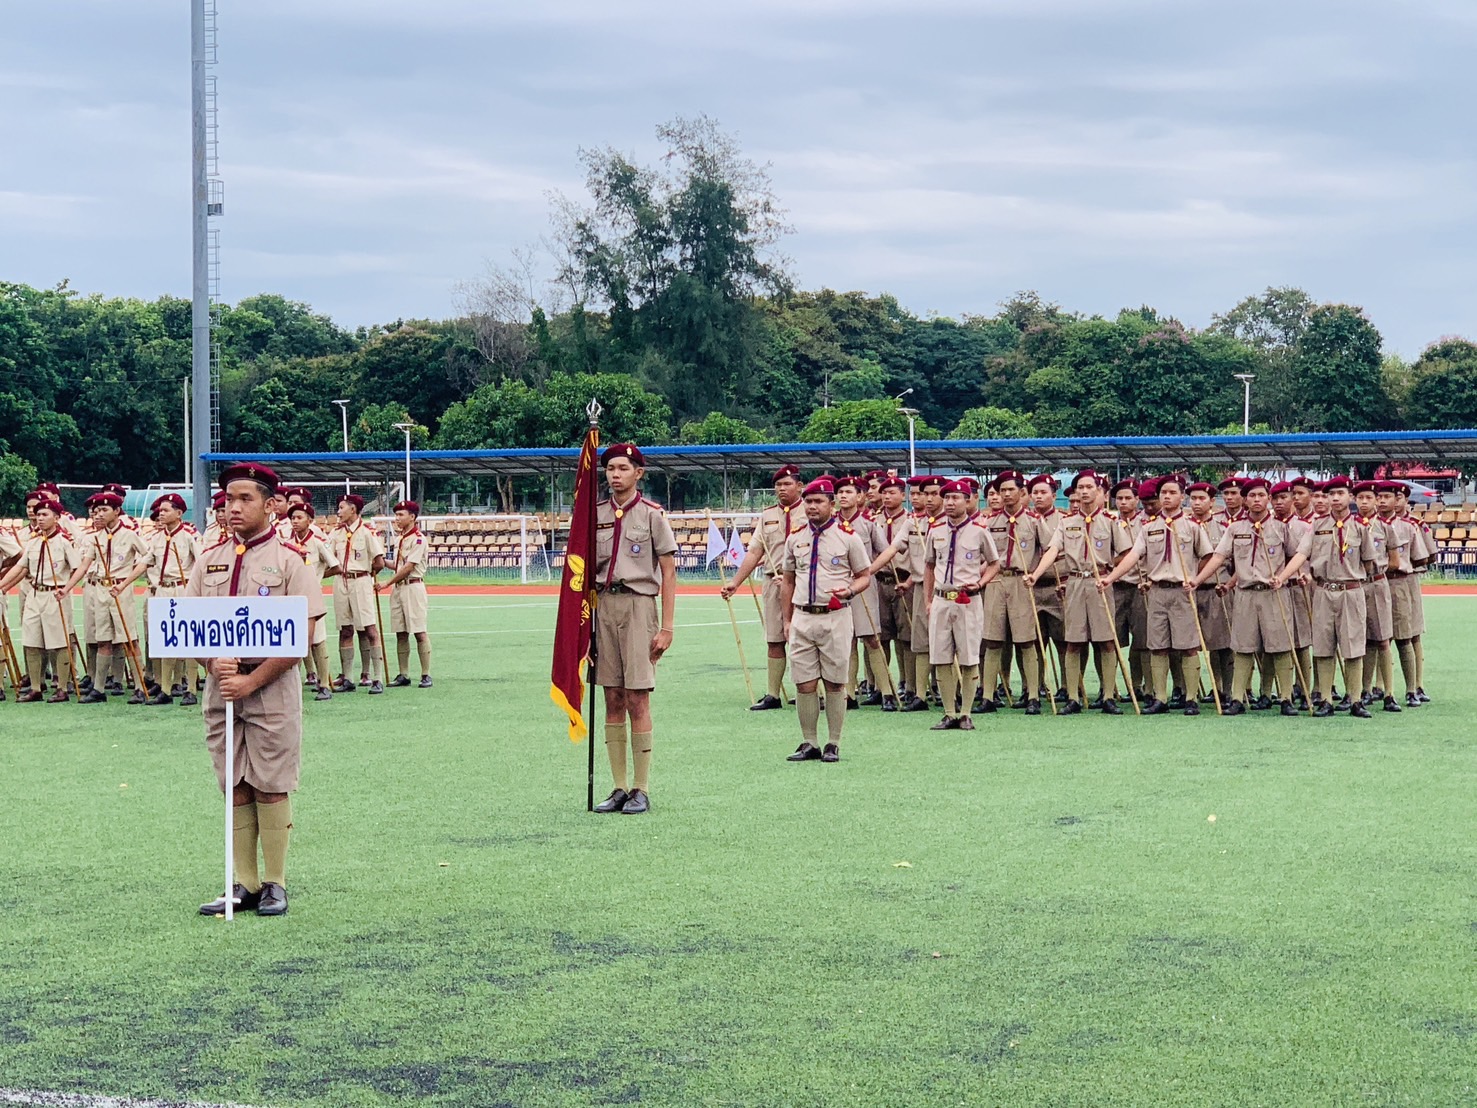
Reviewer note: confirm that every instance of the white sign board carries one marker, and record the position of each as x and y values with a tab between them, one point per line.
228	627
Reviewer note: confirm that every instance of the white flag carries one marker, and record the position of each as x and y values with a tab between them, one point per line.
735	547
716	546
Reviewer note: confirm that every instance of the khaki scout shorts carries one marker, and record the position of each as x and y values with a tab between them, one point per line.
1261	620
269	734
1299	599
820	646
408	607
1088	618
1214	618
1339	623
866	613
353	602
162	592
1406	606
625	624
1171	619
45	625
1379	618
774	611
1049	603
917	617
1008	612
89	627
1131	616
896	615
112	617
955	631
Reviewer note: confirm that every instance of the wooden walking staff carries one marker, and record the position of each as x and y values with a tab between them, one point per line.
759	607
67	634
887	669
1296	662
379	619
130	648
1113	626
1041	645
733	620
1195	611
7	645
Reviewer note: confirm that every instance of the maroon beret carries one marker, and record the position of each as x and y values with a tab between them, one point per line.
971	483
1281	487
305	506
786	471
114	487
50	504
1201	486
1011	475
1366	486
408	506
928	480
1127	483
845	482
821	486
105	500
1399	487
218	500
1339	482
1050	481
892	483
173	499
623	450
48	486
875	474
354	499
1256	483
1305	482
1149	489
1238	483
249	471
961	485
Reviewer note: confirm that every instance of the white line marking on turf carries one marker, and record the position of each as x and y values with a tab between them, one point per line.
44	1099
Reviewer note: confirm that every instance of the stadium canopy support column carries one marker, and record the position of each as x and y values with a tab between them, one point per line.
725	487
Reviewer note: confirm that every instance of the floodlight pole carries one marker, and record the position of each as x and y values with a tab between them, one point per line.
912	414
1246	379
407	428
199	472
343	407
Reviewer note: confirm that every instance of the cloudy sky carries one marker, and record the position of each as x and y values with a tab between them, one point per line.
1108	153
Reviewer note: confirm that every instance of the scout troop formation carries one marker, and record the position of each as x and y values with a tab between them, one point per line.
108	553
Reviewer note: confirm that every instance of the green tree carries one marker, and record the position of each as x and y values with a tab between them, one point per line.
861	421
17	477
717	429
1270	325
374	429
1443	391
1336	370
994	423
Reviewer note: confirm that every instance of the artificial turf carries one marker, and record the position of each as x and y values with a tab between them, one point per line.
1041	912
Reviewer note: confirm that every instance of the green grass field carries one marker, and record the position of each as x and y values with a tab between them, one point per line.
1042	912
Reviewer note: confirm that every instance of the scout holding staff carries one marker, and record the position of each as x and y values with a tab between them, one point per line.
892	527
360	556
1390	543
850	496
1210	598
928	508
1429	549
408	601
52	566
960	560
1414	552
119	557
1086	546
1009	604
1049	614
252	560
319	557
767	547
1131	619
635	563
824	567
170	555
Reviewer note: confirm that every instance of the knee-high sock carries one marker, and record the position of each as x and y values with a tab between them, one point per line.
1282	667
1031	670
366	657
615	750
1108	659
1074	672
1387	670
971	675
1264	663
775	687
1190	675
990	672
881	671
808	708
1102	661
346	660
1136	668
1006	657
423	652
641	759
402	652
61	665
922	671
948	689
1368	670
1159	675
835	717
1305	659
851	670
1407	665
1420	662
1223	662
320	664
97	678
1324	672
1241	676
243	846
274	825
35	666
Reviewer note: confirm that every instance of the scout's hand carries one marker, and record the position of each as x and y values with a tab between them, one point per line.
221	668
1278	582
381	588
116	590
1104	584
1222	589
727	592
660	644
904	586
1189	586
1030	580
236	687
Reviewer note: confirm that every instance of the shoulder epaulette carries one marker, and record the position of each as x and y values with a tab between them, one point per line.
650	503
798	527
218	542
300	551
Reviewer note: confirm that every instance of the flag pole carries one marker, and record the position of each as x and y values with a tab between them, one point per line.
593	413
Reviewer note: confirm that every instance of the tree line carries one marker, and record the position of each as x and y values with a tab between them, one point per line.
670	303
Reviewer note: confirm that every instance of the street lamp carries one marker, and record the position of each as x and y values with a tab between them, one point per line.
343	407
407	428
912	414
1246	379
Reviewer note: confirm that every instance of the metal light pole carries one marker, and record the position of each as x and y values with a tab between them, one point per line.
912	414
199	472
407	428
343	407
1246	379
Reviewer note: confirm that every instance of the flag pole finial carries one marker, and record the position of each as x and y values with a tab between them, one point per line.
594	411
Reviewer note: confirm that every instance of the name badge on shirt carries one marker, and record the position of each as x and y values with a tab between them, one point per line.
216	569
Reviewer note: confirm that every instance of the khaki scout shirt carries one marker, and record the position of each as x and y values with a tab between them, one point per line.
1425	547
51	561
1130	526
1382	536
774	526
1088	544
823	559
10	544
1214	527
1257	552
261	566
317	551
1018	538
960	555
1157	550
1337	551
865	528
1405	540
411	548
893	532
171	556
918	543
114	553
629	541
357	547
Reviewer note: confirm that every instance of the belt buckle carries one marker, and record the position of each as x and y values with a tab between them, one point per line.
952	594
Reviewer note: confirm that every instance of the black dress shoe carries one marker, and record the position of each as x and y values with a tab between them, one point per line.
1288	708
425	681
1359	711
1070	708
614	802
1233	708
964	723
889	703
244	902
400	682
30	696
987	706
917	704
1033	707
85	684
1208	698
272	901
851	704
323	693
1096	702
1176	699
343	686
162	698
1420	694
1260	704
1061	696
1155	708
804	753
96	696
58	697
872	699
189	700
1344	704
1412	700
831	753
639	804
948	723
979	703
138	697
766	703
1192	708
1020	703
1110	708
1391	705
1323	711
375	687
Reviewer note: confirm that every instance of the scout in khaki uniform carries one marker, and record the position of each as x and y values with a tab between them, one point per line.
215	531
171	555
1211	598
1378	678
1411	554
928	510
119	556
1084	548
824	567
635	564
1233	493
53	566
960	561
1340	553
892	527
865	609
1010	617
1172	548
268	699
10	553
360	556
1129	605
1043	488
767	548
1258	547
409	607
319	557
1423	552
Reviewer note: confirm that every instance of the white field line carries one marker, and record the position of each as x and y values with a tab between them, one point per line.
41	1098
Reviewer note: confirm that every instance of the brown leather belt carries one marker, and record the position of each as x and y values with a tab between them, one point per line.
1011	573
412	580
1167	584
1376	577
819	609
1254	587
1339	586
355	574
617	587
1397	574
954	594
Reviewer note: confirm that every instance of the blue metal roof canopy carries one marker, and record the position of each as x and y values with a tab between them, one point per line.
1138	454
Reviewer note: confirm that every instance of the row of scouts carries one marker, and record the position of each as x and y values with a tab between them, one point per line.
105	554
